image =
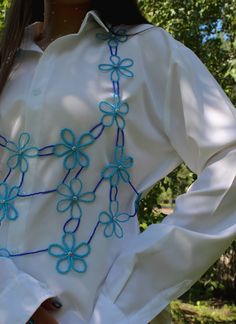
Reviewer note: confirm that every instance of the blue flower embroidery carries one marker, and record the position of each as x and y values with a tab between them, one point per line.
114	38
118	68
7	196
114	112
73	196
72	149
21	152
118	170
112	219
4	253
71	256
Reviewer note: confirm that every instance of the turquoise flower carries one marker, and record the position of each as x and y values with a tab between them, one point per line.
21	151
114	38
112	219
7	197
114	112
73	196
73	148
118	68
117	171
4	253
71	256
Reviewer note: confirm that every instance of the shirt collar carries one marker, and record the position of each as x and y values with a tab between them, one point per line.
91	19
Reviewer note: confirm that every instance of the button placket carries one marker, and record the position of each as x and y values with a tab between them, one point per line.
33	125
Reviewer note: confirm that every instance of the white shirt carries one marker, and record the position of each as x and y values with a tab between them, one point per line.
85	130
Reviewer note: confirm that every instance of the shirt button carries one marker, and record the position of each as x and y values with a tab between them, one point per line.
36	92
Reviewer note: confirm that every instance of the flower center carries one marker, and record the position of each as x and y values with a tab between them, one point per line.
70	253
75	198
74	148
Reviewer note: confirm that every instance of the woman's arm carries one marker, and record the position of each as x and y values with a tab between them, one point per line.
168	258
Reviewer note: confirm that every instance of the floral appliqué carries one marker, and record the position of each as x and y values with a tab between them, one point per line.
118	170
112	219
118	67
114	112
21	152
7	197
73	149
72	197
71	256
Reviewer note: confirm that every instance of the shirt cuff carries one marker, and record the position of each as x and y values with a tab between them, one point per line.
21	299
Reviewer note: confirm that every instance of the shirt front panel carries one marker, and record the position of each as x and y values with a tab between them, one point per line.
63	90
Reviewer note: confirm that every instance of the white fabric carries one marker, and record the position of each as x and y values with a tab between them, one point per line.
178	113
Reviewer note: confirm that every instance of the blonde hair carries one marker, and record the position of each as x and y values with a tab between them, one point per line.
18	16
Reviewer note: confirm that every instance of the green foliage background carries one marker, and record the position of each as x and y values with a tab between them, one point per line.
208	27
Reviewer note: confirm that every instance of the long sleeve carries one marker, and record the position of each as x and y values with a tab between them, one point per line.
165	260
20	293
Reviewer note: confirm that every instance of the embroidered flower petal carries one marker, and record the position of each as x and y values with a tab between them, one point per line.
70	161
126	72
11	146
64	265
106	107
115	59
127	162
64	190
104	218
78	265
12	213
120	122
124	175
76	186
87	197
122	218
68	137
56	250
126	63
113	42
83	159
76	211
108	120
118	230
31	152
63	205
82	250
106	67
13	161
4	253
23	140
85	140
68	242
60	150
115	179
124	108
109	229
24	165
115	75
109	171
